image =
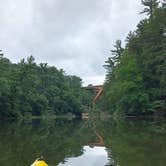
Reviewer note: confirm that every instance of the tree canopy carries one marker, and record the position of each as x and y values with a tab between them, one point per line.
29	89
136	77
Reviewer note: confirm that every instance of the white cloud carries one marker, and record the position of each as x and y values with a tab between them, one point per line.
75	35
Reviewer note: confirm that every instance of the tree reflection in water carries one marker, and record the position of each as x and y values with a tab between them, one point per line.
123	142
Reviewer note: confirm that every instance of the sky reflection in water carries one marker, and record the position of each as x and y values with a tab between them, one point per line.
92	156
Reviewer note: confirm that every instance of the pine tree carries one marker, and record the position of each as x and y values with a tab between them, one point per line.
109	66
150	7
118	51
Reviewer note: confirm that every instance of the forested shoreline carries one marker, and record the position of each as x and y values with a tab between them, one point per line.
28	89
135	80
136	74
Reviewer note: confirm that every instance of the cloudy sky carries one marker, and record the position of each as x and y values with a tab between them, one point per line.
75	35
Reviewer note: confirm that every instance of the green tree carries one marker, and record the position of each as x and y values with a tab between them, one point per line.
28	89
136	81
150	7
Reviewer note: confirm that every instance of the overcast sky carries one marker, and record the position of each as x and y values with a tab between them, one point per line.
75	35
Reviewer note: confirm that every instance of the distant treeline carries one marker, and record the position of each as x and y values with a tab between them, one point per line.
28	89
136	75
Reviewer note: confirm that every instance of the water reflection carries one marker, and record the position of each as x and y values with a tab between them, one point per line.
91	142
96	156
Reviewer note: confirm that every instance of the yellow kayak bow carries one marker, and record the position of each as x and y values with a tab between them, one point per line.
39	163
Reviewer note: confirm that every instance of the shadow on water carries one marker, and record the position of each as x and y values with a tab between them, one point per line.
125	142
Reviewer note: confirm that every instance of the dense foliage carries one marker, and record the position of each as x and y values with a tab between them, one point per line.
28	89
136	74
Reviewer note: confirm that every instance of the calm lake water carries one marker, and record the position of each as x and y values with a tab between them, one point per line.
129	142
